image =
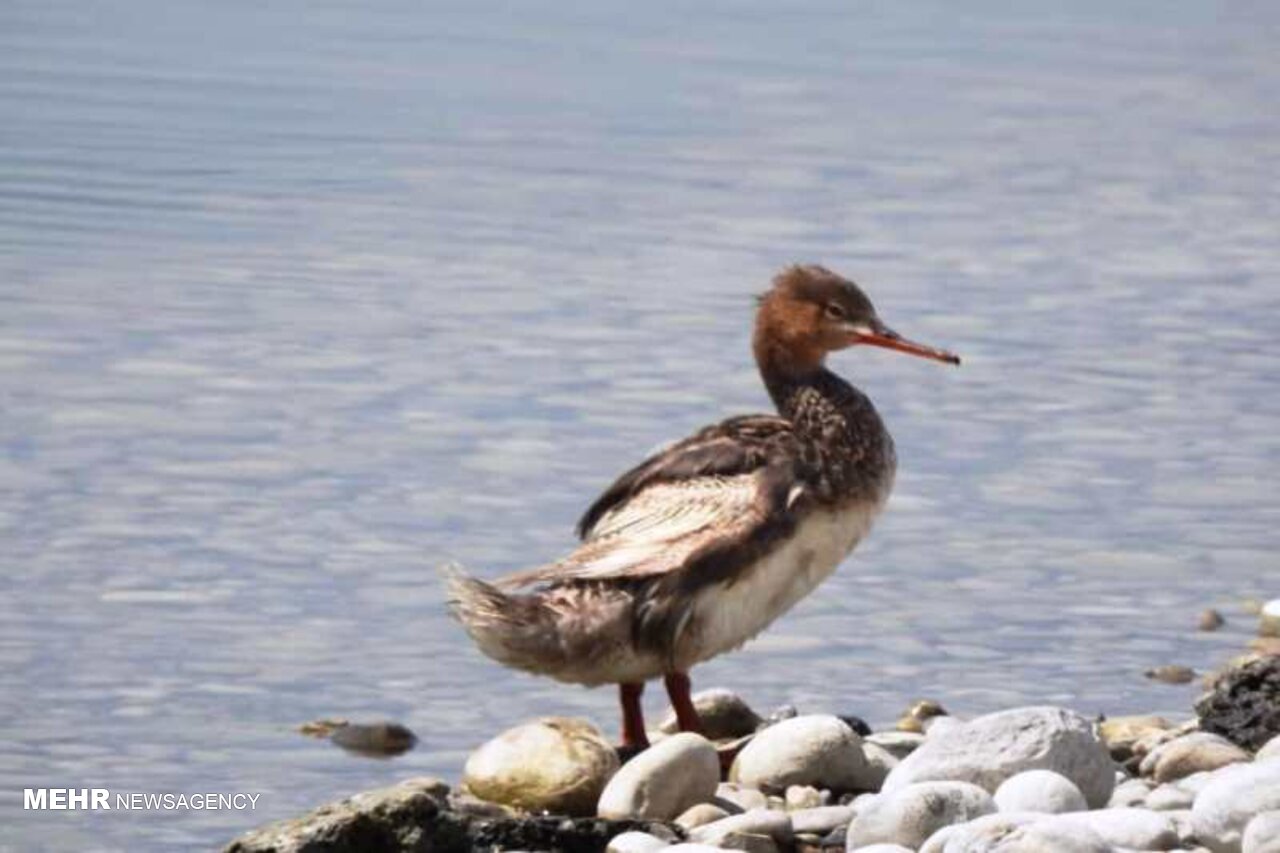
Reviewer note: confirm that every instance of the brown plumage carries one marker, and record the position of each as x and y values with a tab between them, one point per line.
699	547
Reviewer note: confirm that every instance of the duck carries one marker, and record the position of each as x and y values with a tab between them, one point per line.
704	544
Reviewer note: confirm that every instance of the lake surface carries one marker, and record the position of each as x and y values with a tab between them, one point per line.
300	300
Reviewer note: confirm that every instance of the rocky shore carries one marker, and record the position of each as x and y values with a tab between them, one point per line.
1036	779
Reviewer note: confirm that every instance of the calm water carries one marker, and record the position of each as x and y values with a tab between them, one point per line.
298	302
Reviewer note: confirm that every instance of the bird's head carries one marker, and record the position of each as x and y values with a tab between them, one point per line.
811	311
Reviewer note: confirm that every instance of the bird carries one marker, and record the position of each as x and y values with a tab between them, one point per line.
701	546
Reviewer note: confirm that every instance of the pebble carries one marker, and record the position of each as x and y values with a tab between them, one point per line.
1133	792
1039	791
555	764
1134	829
741	797
1210	620
1191	753
880	762
1269	619
990	749
664	780
688	847
723	713
1231	799
815	749
898	744
822	819
635	842
883	848
1169	797
1172	674
1270	750
977	834
1043	837
913	719
937	725
1262	834
374	740
803	797
910	814
749	841
771	824
699	815
1121	734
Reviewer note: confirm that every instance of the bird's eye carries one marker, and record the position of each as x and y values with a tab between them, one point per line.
834	311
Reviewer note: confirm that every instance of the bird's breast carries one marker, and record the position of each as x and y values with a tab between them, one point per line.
728	614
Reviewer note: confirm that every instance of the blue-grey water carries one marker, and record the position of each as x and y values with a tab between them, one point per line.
300	300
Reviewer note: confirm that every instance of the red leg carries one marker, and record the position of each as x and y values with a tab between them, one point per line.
678	689
633	734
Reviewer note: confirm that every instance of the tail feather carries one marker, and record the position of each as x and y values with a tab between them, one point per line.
514	629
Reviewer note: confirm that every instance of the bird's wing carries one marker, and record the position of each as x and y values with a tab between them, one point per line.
741	445
711	492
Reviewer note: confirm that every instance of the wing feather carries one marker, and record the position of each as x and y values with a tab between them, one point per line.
659	529
710	493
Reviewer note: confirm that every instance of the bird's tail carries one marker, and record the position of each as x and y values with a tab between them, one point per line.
517	630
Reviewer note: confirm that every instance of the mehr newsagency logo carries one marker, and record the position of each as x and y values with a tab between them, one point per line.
103	799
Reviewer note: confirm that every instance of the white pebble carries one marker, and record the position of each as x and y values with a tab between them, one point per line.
664	780
1039	791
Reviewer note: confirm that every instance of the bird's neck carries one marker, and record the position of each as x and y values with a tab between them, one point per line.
810	397
849	454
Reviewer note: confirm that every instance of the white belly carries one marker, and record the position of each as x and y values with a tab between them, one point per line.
727	615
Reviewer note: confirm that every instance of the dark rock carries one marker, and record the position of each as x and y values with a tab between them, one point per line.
1172	674
1244	704
374	740
856	723
415	817
1210	620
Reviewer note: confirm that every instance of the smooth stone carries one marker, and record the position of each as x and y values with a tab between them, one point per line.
1262	834
775	825
664	780
635	842
909	815
700	815
1232	798
1121	734
802	797
688	847
1181	819
1191	753
556	764
375	740
884	848
1269	750
934	726
979	833
992	748
1169	797
1135	829
1039	791
1172	673
1210	620
723	713
880	762
1269	619
1043	838
1130	793
815	749
822	819
744	798
752	842
899	744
